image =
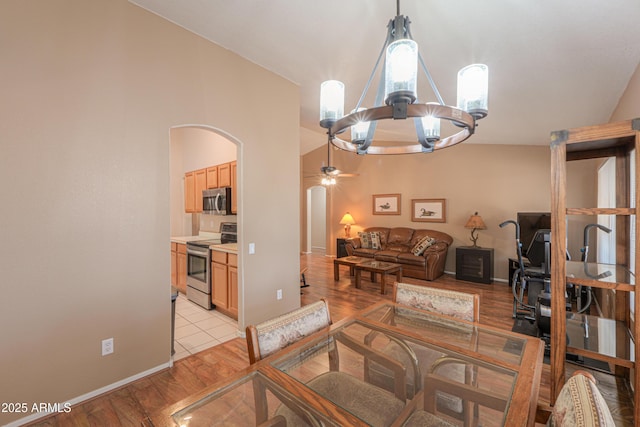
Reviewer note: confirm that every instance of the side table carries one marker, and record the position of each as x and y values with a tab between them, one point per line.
341	251
474	264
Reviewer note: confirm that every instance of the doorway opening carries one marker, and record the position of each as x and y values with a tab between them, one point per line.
317	220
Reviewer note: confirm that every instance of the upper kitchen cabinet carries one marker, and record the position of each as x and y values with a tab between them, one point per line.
224	175
212	177
201	185
190	192
234	187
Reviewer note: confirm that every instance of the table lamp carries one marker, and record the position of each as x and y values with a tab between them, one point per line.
475	223
347	220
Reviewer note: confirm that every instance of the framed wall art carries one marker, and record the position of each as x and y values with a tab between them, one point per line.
428	210
386	204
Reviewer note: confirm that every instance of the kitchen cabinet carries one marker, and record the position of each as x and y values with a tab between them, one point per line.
232	275
201	185
224	175
174	264
621	142
189	192
181	267
234	187
224	282
212	177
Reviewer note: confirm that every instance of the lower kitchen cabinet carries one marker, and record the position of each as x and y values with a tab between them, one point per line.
224	282
181	267
232	274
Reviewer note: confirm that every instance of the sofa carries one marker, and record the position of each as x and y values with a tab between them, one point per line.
422	253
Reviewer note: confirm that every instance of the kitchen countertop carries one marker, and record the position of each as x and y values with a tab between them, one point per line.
225	247
203	236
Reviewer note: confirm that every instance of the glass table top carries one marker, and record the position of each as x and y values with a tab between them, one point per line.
253	400
388	369
502	346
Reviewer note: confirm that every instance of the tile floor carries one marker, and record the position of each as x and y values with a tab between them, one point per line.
198	329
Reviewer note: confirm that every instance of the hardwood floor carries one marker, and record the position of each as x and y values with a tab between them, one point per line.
132	403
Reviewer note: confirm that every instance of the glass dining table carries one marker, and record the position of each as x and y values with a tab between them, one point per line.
388	365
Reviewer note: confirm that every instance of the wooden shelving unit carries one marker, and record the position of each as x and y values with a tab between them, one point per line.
616	140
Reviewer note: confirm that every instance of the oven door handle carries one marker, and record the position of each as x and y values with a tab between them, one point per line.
202	254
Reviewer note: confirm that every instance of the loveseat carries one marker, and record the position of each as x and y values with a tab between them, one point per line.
422	253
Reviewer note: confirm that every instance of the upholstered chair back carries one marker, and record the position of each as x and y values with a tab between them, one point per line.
272	335
456	304
580	403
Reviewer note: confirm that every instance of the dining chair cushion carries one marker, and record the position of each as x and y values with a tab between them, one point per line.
288	328
580	404
375	406
425	419
461	305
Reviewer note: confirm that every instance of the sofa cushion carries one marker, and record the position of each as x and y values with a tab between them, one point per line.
399	235
389	256
398	247
411	259
424	243
363	252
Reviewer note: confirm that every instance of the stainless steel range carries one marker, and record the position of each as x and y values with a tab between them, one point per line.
199	264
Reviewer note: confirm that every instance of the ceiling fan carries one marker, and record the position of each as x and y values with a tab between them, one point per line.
329	173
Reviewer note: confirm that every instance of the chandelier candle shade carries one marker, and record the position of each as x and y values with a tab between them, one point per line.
397	97
475	222
347	220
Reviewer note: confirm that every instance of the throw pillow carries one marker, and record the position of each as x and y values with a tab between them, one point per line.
375	240
365	238
422	245
370	240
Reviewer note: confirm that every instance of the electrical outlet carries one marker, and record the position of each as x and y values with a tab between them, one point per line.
279	294
107	346
252	248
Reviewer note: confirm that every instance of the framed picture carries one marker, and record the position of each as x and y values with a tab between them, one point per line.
428	210
386	204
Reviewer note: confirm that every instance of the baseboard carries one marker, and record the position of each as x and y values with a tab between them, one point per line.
80	399
453	273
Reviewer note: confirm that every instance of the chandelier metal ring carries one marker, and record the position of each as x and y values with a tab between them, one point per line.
457	116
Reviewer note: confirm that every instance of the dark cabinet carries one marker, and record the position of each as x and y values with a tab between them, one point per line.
341	250
474	264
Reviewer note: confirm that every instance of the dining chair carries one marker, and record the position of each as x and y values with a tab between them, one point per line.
275	334
580	403
460	305
376	406
434	384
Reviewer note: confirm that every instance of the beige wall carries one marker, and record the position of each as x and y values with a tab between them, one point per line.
90	91
629	104
497	181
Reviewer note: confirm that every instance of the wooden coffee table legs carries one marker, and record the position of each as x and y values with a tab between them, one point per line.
383	276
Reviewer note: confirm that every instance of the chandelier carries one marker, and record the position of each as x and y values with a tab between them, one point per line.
396	98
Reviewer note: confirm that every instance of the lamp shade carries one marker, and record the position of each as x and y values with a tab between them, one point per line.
331	102
473	90
475	221
347	219
401	71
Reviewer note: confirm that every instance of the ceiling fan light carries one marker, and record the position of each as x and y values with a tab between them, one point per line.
331	102
360	130
431	127
401	72
473	90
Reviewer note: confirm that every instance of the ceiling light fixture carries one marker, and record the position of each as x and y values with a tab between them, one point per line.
397	89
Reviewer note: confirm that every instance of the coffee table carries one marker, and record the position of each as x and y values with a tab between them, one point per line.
378	267
348	261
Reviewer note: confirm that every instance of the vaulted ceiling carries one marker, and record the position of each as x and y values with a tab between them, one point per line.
553	64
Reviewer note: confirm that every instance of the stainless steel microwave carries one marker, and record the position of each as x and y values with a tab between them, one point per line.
217	201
